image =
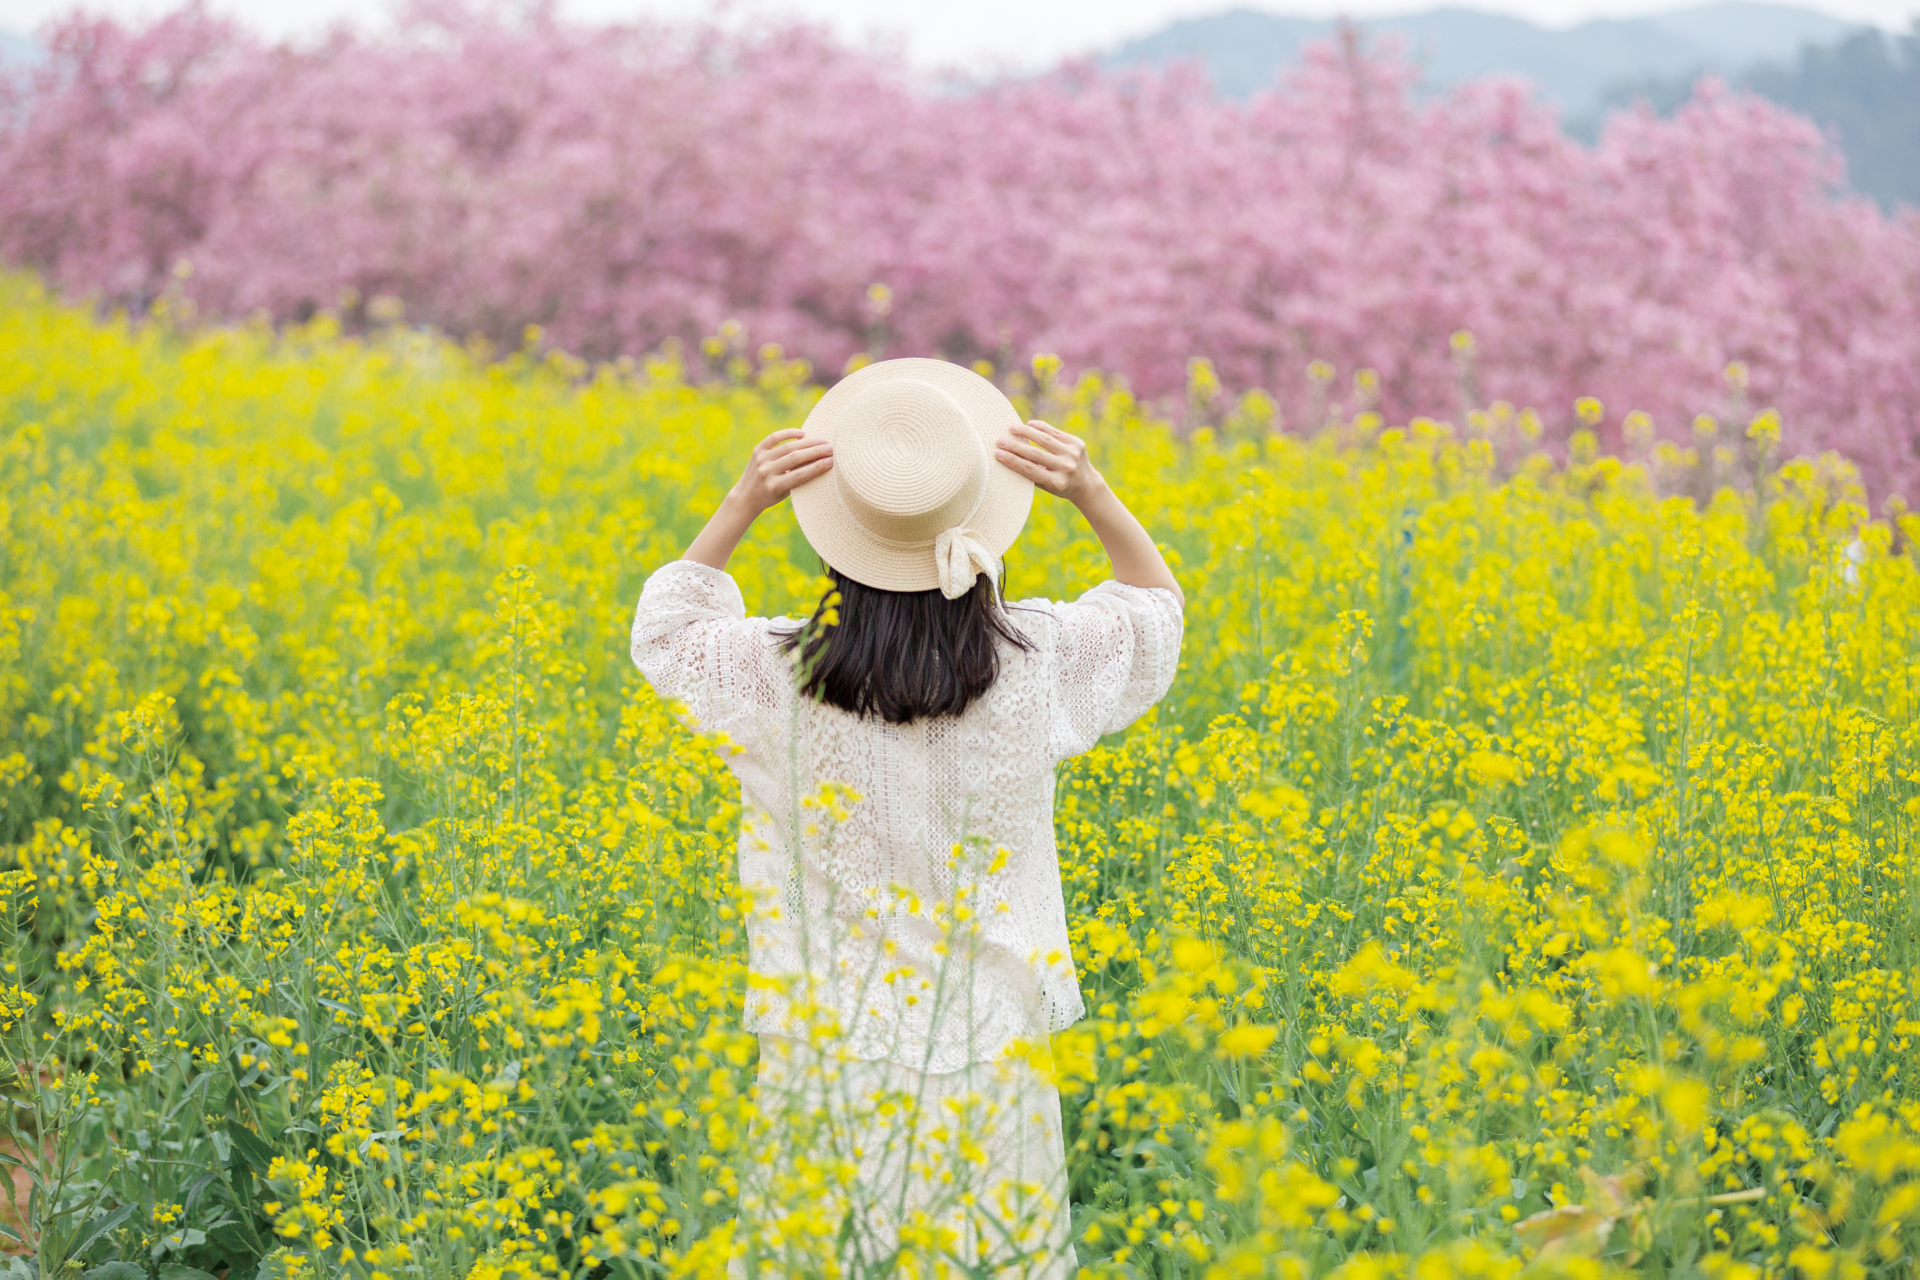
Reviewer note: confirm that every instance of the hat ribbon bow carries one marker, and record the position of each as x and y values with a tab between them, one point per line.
961	557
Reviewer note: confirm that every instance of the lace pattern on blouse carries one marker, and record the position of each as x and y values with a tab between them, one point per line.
903	880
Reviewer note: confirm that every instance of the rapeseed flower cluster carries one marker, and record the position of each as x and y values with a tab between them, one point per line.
1519	879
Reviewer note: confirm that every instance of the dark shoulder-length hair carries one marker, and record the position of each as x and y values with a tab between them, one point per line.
902	655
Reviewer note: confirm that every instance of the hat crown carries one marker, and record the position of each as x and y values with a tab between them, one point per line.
912	461
907	461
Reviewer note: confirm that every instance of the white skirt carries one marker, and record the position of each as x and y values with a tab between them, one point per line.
853	1166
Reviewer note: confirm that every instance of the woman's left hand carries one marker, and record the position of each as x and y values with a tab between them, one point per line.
1053	459
1057	461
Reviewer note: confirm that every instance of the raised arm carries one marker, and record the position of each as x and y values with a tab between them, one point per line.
781	462
1058	463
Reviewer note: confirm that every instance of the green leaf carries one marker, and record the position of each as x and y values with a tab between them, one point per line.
115	1271
98	1229
191	1095
174	1271
197	1189
239	1239
181	1241
250	1147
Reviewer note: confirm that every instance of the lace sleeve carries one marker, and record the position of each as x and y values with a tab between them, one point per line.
1116	650
696	646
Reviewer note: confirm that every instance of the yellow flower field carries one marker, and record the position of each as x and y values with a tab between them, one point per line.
1519	879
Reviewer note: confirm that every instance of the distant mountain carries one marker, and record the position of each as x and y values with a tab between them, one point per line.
1576	67
1865	88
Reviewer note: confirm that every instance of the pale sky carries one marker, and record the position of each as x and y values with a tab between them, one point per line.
975	34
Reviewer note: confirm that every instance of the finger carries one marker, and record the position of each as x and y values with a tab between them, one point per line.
1027	431
796	441
1054	441
1014	462
1035	454
772	469
1061	441
1044	477
1064	438
800	475
799	453
784	433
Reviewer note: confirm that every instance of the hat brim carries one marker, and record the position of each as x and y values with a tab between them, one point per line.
847	545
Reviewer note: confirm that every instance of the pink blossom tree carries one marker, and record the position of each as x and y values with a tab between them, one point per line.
621	186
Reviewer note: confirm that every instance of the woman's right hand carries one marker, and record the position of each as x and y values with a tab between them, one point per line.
780	464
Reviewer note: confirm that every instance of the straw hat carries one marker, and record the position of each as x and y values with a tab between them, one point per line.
914	499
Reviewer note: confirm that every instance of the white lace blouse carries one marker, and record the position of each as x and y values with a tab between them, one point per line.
904	886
